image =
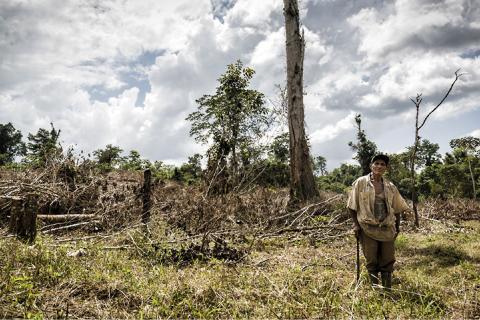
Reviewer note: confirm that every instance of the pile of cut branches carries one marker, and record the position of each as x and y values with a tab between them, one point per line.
262	212
84	198
70	196
451	209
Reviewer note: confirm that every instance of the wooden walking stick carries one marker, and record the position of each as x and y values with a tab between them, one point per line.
358	260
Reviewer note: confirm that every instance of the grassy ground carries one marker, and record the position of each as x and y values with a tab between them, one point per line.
438	276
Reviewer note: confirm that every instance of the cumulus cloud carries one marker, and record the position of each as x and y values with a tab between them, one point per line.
128	73
60	57
331	131
422	25
259	15
386	64
475	133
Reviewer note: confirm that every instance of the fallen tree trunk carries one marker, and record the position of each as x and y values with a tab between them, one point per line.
66	217
71	226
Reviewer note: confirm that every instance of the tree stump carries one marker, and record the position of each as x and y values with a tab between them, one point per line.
146	196
23	219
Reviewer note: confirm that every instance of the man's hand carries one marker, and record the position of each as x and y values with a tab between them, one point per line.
356	230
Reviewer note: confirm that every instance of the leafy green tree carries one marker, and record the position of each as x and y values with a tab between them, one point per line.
471	147
427	153
447	180
250	155
346	174
109	157
134	162
233	116
43	147
273	173
279	148
398	172
431	180
457	156
11	144
319	164
177	175
191	172
340	179
454	178
162	171
364	148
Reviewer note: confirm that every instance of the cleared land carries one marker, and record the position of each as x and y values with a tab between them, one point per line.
125	275
238	255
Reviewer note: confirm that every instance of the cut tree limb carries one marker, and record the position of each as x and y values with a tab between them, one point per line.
66	217
71	226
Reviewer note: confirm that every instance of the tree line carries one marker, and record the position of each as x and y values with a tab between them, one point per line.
452	175
232	123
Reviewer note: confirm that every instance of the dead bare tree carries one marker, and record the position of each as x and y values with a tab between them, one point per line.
302	183
413	155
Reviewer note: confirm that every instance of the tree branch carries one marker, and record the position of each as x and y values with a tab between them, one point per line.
457	76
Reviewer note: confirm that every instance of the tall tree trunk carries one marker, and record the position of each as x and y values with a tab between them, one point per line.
473	179
234	174
413	158
302	183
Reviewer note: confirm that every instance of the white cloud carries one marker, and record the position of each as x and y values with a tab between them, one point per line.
475	133
416	23
270	50
331	131
253	13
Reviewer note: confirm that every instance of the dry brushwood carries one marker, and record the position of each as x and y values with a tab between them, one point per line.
111	199
260	212
451	209
72	196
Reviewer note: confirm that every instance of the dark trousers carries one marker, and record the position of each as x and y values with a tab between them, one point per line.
380	255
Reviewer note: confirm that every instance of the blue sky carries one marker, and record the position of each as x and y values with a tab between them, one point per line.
128	72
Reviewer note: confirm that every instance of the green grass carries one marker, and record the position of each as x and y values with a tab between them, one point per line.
437	277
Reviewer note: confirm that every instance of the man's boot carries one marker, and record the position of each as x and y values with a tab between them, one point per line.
387	280
373	276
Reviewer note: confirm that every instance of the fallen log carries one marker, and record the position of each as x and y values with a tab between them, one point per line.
66	217
71	226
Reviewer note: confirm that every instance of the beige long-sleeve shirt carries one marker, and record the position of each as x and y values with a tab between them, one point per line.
362	199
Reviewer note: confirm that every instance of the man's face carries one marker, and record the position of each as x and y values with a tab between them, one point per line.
378	167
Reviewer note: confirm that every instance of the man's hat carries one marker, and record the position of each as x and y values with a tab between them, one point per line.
380	156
